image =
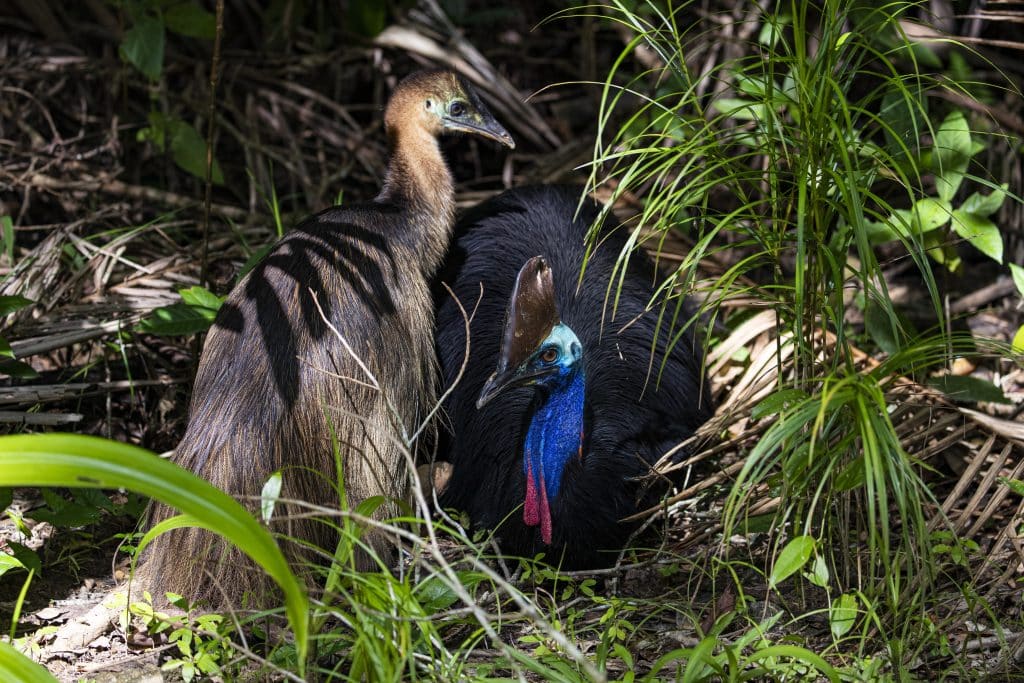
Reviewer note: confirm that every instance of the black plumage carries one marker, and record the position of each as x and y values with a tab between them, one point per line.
636	408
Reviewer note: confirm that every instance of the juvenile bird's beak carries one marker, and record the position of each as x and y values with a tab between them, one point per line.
480	122
532	314
485	126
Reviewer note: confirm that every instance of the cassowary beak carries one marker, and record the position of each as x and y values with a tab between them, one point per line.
532	314
481	122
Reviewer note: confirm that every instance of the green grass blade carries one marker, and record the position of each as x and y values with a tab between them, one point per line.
80	461
15	666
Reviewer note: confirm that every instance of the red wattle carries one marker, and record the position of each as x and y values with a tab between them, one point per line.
545	512
531	513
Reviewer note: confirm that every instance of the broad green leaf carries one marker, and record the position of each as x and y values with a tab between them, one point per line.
1018	340
188	149
886	328
28	558
777	402
1015	485
930	213
851	476
367	18
951	153
190	19
5	349
819	574
17	369
968	389
177	320
15	666
10	304
741	110
200	297
985	205
143	47
79	461
791	559
842	614
9	562
924	216
980	232
435	595
269	495
1018	278
940	247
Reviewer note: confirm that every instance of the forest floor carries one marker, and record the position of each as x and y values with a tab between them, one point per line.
107	227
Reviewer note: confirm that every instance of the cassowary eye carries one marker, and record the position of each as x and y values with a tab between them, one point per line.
549	355
457	108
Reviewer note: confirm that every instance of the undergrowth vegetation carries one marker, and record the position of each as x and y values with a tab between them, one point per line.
827	144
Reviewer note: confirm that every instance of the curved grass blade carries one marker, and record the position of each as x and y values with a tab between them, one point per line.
80	461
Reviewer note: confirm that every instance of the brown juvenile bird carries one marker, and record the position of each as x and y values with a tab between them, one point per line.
276	385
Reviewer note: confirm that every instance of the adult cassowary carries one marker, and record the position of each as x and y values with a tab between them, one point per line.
562	407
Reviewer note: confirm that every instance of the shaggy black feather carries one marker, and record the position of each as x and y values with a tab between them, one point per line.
633	416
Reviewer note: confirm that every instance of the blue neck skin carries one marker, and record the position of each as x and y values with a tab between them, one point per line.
555	435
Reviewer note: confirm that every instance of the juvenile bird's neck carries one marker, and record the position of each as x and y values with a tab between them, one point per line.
554	437
418	182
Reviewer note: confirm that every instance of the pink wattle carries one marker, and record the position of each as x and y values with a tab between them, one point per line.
535	508
531	514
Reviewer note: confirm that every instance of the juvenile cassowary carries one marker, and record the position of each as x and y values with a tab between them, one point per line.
280	384
562	406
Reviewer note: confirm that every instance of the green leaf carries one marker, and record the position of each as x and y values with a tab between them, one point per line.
28	558
17	369
143	47
435	595
177	320
951	153
7	237
15	666
791	559
985	205
78	461
1018	340
9	562
842	614
777	402
924	216
851	476
884	326
367	18
741	110
10	304
930	214
189	19
981	232
5	349
202	298
188	149
1015	485
819	572
968	389
1018	278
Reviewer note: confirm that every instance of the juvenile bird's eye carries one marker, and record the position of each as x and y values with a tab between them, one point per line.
549	355
457	108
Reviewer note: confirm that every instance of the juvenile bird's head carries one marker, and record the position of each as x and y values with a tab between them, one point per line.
439	102
537	349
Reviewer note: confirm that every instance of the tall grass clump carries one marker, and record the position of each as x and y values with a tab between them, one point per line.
808	145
